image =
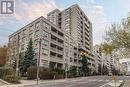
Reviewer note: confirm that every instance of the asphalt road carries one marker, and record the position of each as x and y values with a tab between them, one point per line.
93	81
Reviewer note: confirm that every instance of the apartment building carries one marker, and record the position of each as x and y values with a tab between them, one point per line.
64	34
52	49
76	24
97	56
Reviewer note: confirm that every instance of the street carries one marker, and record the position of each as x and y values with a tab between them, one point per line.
93	81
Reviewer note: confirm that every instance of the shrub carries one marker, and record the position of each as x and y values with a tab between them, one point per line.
31	73
59	73
12	79
6	70
44	73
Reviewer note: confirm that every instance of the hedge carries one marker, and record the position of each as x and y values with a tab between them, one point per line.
6	70
12	79
7	73
44	73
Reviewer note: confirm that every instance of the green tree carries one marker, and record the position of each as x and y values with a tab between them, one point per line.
21	57
99	69
28	59
3	55
118	37
73	71
84	68
105	70
106	48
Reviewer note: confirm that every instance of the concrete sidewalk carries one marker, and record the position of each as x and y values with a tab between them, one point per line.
33	82
127	83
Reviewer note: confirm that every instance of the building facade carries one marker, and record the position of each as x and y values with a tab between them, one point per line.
76	24
97	56
64	34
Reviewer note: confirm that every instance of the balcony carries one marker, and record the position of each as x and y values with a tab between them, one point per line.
53	49
60	44
57	35
56	59
54	41
60	51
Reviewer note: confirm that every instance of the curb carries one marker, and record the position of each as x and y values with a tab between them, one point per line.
4	82
123	82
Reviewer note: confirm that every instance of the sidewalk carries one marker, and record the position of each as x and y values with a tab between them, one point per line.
33	82
127	83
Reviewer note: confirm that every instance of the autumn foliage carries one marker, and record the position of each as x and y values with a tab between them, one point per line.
3	55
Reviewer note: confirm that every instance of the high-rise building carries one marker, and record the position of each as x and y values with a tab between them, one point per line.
64	34
76	24
97	56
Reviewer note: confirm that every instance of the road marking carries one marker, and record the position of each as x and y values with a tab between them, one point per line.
75	84
100	80
93	80
105	84
106	80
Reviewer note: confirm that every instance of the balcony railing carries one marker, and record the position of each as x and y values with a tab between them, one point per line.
60	44
60	51
56	59
57	35
54	41
53	49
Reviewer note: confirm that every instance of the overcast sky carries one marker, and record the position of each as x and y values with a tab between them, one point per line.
101	13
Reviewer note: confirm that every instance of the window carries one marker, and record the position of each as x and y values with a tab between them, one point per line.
71	41
31	35
24	31
46	25
71	59
67	28
36	42
23	39
44	62
71	47
22	47
66	38
45	42
38	25
66	52
36	33
67	21
36	50
67	11
31	28
45	34
45	52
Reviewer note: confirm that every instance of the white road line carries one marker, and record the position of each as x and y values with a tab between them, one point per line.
75	84
100	80
93	79
105	84
106	80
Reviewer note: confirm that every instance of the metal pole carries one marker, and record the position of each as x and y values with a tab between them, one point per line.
101	68
66	70
66	74
17	59
38	61
17	65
